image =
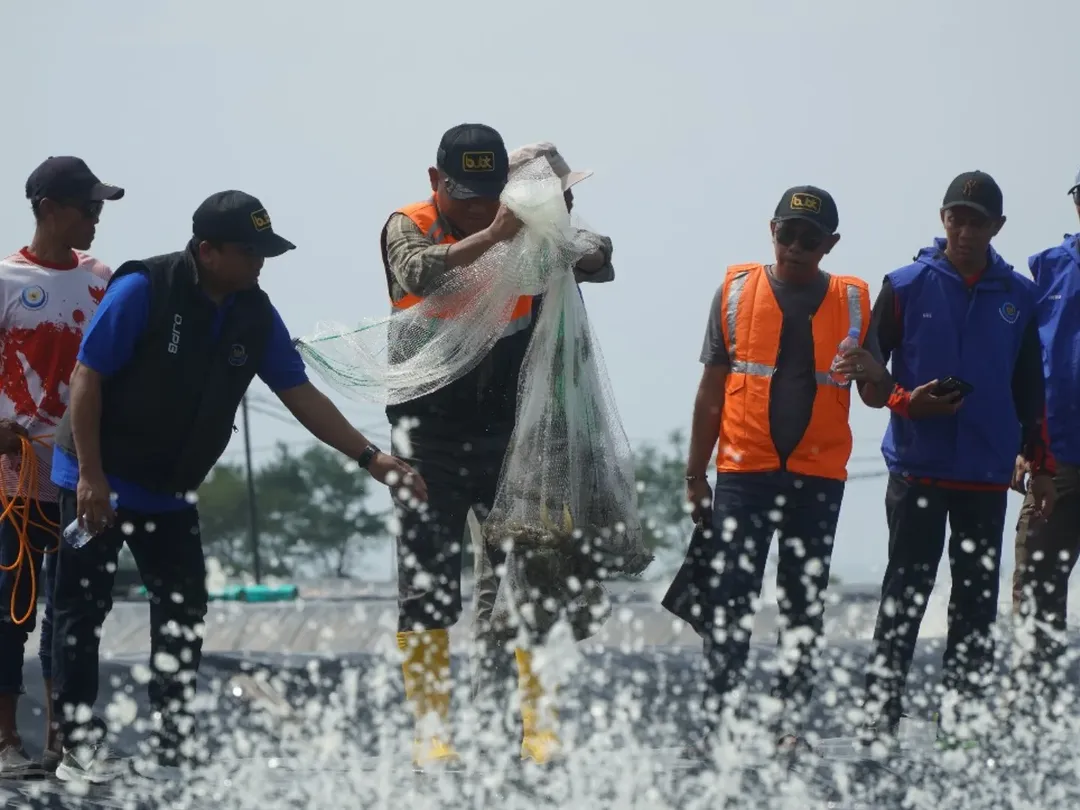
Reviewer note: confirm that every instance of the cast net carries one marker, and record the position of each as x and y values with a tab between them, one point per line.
565	510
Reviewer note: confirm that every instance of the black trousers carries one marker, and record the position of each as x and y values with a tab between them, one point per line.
724	571
917	515
15	593
460	474
167	548
1046	553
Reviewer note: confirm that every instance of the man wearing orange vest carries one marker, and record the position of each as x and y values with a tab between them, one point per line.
457	435
776	405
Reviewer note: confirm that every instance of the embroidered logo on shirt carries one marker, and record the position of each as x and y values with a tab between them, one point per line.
1009	312
34	297
237	355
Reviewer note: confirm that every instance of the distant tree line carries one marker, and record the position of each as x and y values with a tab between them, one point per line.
316	513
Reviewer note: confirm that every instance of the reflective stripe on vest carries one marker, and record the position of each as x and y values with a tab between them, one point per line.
752	321
426	217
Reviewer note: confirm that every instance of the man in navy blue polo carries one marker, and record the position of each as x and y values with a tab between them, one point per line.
960	327
162	368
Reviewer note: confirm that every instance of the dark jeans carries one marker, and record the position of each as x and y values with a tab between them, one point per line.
917	515
167	548
460	474
42	560
747	509
1046	552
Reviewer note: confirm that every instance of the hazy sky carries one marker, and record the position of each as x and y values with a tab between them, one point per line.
695	117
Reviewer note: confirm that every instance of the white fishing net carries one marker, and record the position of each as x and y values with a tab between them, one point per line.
566	508
415	351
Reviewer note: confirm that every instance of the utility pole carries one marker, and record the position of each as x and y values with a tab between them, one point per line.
253	514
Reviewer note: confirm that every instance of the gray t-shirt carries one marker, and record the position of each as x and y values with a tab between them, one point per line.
794	386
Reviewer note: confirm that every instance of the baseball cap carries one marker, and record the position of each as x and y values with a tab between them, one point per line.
473	158
976	190
1076	185
68	178
544	149
811	204
233	216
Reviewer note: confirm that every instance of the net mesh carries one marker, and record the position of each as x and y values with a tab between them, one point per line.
565	511
415	351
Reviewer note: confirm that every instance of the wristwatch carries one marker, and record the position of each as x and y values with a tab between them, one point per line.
367	456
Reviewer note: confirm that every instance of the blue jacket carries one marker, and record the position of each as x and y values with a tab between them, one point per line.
975	334
1057	273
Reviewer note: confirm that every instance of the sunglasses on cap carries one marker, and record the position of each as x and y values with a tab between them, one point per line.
790	231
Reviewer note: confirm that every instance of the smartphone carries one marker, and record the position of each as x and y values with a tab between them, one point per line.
952	385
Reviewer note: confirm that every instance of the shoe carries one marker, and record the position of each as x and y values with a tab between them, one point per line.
426	670
93	764
540	742
15	764
950	741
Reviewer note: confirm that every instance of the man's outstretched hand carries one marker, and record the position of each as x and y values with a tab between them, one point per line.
396	474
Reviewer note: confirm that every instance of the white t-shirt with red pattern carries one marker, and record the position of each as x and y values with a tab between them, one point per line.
43	311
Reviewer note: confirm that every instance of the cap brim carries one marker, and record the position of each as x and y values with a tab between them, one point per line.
271	245
482	191
574	178
1074	189
982	209
103	191
803	218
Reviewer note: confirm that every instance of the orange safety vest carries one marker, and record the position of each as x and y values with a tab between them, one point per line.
426	217
751	323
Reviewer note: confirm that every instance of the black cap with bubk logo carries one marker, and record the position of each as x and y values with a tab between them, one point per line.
239	218
474	162
66	179
976	190
811	204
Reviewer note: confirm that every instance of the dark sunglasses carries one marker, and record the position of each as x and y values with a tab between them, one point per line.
88	208
808	237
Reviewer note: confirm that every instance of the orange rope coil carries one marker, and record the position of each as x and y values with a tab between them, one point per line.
19	510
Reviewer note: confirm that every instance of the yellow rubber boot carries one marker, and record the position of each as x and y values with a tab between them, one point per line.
427	687
540	743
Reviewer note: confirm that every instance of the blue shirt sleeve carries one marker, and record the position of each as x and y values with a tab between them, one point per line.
283	366
109	341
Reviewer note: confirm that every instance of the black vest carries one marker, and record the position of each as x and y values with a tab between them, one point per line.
168	415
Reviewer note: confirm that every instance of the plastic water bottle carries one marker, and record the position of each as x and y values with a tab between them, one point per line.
76	536
847	344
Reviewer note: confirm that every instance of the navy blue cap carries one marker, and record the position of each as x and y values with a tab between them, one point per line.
976	190
810	204
474	162
239	218
68	178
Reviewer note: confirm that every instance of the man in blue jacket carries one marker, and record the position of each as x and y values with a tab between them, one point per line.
959	325
1046	550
